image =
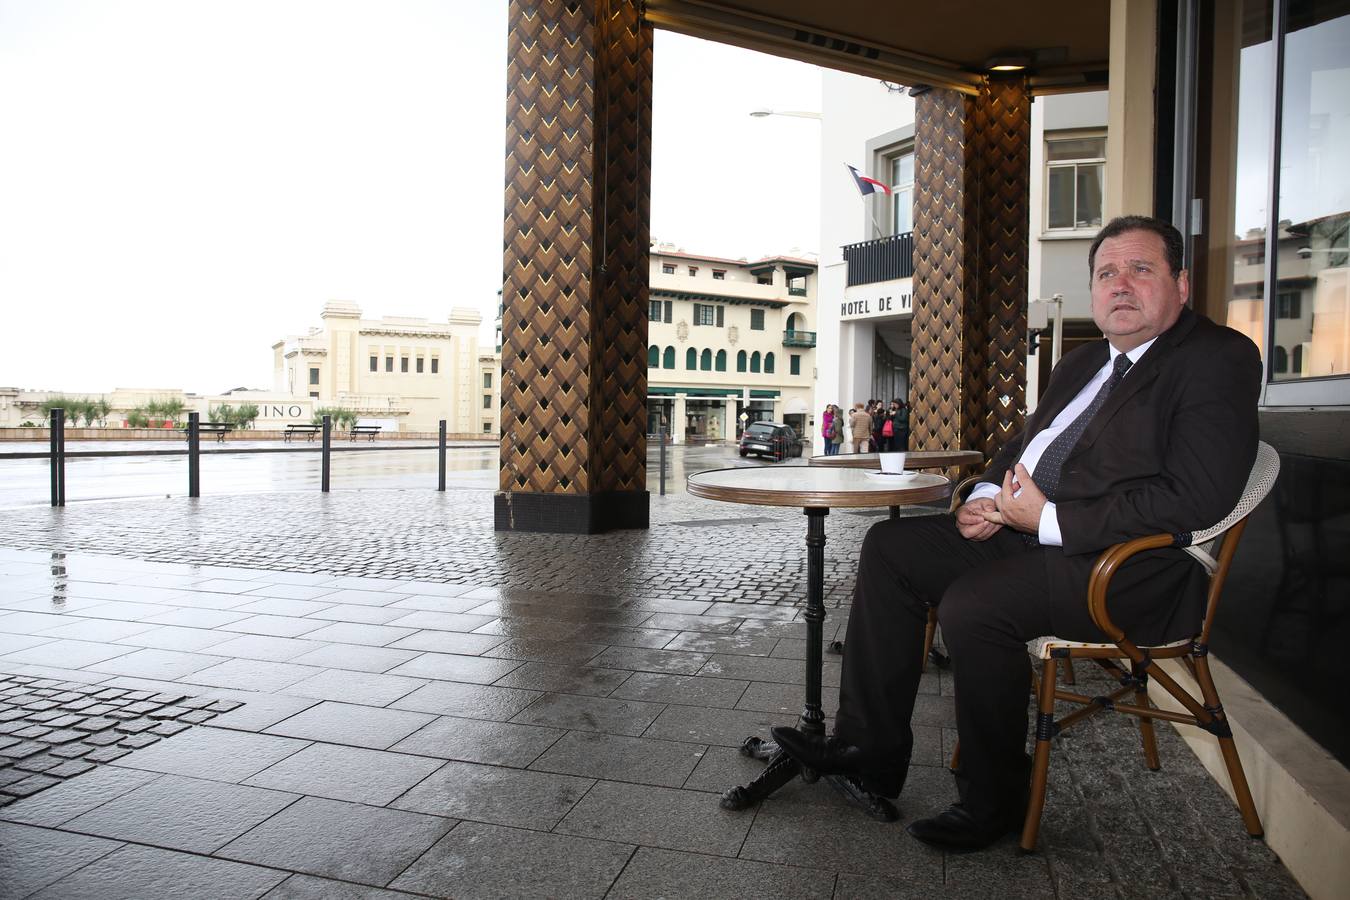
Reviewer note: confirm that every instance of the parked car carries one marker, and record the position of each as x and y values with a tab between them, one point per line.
770	439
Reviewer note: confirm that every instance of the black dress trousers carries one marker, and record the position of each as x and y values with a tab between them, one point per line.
992	597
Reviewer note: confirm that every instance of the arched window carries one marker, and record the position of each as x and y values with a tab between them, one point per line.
768	364
705	361
754	361
691	358
653	356
721	364
1296	359
796	322
668	359
1281	359
740	361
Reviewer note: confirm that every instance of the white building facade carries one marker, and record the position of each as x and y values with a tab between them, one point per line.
404	374
729	337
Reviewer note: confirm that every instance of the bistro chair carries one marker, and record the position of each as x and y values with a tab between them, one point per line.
1214	548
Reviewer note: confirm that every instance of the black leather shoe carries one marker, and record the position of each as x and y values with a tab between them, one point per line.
957	831
826	755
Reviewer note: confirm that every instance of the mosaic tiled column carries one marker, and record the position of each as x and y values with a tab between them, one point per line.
972	166
574	326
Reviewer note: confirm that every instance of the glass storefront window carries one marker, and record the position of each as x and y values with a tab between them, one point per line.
1251	191
1310	326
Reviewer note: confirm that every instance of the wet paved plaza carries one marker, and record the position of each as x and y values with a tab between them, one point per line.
370	692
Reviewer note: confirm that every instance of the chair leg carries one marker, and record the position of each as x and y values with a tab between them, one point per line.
1069	677
1236	776
929	632
1145	722
1045	719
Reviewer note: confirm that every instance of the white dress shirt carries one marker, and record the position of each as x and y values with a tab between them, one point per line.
1048	531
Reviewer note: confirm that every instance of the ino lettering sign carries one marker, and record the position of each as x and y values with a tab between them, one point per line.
877	307
282	412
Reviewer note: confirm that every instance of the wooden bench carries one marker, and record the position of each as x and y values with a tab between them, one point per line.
219	429
368	430
294	429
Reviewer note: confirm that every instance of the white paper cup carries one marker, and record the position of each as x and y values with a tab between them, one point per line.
892	463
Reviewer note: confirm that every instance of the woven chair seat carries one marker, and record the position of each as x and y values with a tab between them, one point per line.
1042	647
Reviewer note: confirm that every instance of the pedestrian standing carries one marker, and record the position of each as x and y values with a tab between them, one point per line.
860	424
826	424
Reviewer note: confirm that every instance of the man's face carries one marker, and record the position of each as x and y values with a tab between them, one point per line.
1135	296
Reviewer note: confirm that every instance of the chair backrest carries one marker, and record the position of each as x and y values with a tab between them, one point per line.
1259	482
1221	539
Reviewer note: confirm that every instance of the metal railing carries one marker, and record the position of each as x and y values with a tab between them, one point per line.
57	454
799	338
882	259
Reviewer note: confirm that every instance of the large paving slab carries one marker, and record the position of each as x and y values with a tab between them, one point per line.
394	698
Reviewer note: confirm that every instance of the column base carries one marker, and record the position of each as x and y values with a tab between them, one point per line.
570	513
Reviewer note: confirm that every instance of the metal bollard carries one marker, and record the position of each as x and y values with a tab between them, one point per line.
194	454
661	437
58	456
327	450
441	460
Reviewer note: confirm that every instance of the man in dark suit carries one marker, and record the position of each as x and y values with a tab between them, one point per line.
1152	430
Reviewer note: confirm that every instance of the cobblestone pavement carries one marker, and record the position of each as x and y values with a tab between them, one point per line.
432	709
695	549
53	730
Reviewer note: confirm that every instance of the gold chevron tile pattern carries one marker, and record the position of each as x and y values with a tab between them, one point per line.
575	243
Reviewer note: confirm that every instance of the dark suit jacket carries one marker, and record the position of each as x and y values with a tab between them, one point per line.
1169	452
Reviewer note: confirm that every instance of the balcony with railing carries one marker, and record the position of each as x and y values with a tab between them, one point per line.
799	338
882	259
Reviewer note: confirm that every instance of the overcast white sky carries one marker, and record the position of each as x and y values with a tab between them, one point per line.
184	182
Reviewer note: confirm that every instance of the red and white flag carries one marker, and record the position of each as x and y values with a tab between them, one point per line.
868	185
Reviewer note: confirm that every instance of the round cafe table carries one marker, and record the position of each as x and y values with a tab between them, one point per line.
816	489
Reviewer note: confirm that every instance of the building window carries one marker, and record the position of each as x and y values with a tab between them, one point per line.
654	310
389	364
314	395
691	359
1288	305
693	271
754	361
721	363
668	358
653	356
487	380
667	268
420	361
670	311
902	193
756	320
797	286
487	428
794	363
707	315
1075	179
374	364
435	365
487	401
766	278
1281	359
403	364
768	363
705	360
719	274
740	361
313	376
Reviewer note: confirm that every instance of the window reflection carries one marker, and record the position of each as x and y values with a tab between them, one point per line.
1255	62
1311	323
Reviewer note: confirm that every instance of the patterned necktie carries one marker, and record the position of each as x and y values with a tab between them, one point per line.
1050	464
